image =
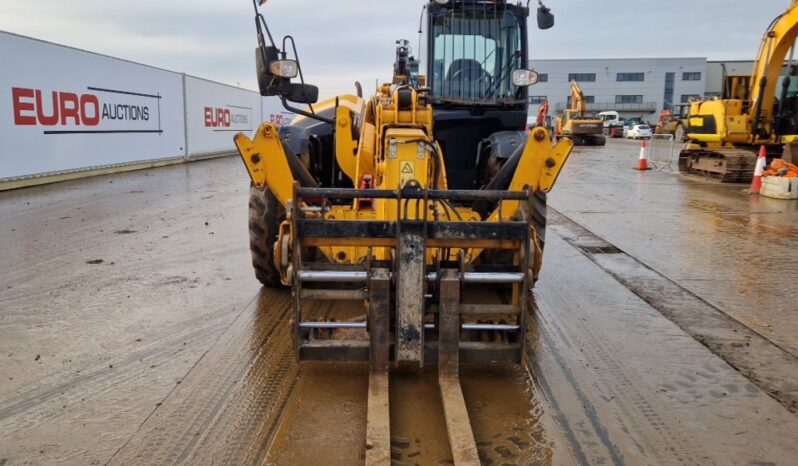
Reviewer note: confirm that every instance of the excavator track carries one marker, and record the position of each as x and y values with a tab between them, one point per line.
723	165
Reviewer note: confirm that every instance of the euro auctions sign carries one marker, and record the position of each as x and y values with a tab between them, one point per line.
215	112
64	109
231	117
95	110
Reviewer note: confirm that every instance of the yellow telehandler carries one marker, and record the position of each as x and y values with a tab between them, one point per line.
401	202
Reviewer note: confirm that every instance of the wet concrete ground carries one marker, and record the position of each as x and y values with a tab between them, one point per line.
168	351
735	250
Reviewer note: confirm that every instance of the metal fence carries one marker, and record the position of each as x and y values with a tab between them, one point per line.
661	151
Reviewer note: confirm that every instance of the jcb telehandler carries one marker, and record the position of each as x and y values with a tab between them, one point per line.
403	202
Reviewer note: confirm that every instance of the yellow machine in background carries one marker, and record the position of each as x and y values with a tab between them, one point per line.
674	122
576	125
725	134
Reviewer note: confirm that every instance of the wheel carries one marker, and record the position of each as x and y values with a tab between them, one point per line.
265	216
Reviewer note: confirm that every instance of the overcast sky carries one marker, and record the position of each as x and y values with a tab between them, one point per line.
341	41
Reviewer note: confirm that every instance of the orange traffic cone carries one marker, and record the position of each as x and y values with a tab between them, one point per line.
756	183
642	163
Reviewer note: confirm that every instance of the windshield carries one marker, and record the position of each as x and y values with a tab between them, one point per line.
474	52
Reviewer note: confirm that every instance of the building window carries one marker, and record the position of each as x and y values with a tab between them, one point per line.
630	77
670	81
543	77
691	76
537	99
582	77
686	98
589	99
628	99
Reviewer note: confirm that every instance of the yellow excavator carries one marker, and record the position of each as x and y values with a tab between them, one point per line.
575	124
402	203
725	134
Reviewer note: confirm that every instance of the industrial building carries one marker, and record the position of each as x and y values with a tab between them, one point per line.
634	87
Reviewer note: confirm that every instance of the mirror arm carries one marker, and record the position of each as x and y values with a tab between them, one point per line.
299	111
298	63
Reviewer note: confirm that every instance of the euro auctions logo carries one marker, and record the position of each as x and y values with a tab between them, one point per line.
97	111
228	118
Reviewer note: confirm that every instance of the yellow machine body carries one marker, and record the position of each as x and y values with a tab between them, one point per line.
726	133
395	148
575	124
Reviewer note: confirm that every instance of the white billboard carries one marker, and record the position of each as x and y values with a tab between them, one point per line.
215	113
63	109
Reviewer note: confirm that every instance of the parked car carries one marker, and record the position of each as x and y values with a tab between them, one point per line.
638	132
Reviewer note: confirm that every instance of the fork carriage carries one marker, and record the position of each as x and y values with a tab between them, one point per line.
409	270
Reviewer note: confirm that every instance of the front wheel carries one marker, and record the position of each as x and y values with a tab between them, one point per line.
265	216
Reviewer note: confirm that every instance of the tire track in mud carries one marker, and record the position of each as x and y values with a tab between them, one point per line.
652	430
114	372
228	405
628	387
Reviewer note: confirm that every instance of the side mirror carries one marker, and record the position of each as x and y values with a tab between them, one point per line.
302	93
545	18
268	83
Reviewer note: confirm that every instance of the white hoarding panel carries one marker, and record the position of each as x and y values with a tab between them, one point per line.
274	112
63	109
215	113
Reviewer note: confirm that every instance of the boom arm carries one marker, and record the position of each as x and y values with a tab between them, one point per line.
776	42
578	99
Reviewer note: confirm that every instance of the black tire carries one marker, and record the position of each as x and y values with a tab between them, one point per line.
265	216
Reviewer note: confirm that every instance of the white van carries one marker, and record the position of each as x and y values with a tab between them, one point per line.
611	119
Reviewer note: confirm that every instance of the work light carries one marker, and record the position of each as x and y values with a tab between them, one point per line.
284	68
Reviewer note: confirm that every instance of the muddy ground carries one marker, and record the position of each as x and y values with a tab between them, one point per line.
133	332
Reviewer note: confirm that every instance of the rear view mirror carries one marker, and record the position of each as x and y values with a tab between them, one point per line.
545	17
302	93
268	83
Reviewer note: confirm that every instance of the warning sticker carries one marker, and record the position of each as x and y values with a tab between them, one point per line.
407	172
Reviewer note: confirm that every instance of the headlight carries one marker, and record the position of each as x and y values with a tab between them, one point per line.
522	78
284	68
